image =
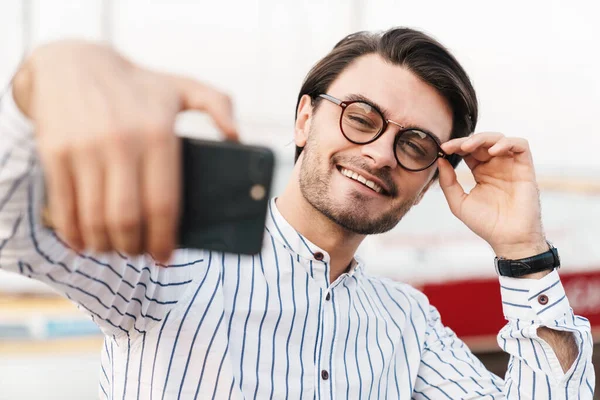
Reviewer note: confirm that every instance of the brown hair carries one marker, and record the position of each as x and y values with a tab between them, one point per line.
406	47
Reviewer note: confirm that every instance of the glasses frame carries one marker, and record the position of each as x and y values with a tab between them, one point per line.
386	122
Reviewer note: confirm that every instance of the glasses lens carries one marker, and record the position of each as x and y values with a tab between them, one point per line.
416	150
361	122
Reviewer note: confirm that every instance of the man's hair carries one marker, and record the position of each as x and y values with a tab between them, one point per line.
414	50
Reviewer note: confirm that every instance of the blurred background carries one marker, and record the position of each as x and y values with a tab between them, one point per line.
534	64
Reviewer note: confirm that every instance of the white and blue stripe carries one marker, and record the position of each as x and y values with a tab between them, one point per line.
219	326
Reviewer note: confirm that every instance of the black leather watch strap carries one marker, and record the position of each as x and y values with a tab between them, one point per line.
548	260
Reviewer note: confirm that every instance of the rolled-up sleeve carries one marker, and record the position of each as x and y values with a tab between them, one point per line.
534	369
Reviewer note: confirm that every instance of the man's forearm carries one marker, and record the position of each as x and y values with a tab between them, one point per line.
562	343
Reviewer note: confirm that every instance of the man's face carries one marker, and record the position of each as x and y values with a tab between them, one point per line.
327	154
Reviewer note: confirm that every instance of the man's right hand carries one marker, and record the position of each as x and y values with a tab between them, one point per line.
104	134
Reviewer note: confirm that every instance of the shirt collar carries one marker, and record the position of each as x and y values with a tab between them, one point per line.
286	235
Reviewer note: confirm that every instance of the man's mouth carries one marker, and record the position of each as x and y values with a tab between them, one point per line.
361	179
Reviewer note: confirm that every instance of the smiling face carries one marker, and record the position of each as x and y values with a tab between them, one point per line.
361	187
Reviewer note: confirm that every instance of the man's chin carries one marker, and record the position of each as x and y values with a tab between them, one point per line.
361	223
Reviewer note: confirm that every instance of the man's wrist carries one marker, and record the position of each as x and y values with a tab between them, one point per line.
521	250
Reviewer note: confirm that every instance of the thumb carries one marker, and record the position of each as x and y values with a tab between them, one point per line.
453	191
201	97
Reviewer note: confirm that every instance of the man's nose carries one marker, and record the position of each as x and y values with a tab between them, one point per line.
381	151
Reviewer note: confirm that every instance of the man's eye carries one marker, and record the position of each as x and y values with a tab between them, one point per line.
360	122
411	148
357	119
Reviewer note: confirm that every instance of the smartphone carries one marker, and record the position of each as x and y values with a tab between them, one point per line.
225	195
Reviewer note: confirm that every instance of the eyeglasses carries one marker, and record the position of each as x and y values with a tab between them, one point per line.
363	123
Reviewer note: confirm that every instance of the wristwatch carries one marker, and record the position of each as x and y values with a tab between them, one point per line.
548	260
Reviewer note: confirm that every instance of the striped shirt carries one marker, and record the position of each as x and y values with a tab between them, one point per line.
213	325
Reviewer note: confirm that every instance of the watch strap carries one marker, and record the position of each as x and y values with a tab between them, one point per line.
548	260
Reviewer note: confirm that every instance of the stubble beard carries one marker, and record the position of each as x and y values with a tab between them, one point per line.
349	213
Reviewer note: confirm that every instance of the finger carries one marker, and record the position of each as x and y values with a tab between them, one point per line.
471	162
453	146
481	140
480	154
123	209
197	96
452	189
89	180
477	146
60	192
507	146
161	194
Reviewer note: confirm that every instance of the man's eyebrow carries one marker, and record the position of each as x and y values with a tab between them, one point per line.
386	113
360	97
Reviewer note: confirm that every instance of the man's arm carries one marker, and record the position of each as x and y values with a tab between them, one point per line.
563	343
121	294
503	208
105	140
449	370
94	133
545	339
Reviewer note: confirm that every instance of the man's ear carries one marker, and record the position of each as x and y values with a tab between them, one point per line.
425	189
302	126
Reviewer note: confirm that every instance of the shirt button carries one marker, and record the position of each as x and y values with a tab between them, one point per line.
328	297
324	375
319	256
543	299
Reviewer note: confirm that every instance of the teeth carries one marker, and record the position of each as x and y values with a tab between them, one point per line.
362	179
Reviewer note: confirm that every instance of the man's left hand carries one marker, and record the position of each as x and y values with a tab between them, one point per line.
504	207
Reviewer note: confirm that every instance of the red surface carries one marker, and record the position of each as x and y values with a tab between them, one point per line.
473	307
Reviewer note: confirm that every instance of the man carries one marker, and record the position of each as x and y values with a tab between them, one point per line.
379	119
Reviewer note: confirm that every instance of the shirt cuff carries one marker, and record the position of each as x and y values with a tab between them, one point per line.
537	300
21	127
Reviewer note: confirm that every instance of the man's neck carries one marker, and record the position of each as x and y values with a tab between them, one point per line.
339	243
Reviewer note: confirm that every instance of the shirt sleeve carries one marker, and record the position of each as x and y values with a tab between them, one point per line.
534	369
122	294
449	370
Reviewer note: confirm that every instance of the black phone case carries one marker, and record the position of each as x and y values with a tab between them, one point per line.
226	190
